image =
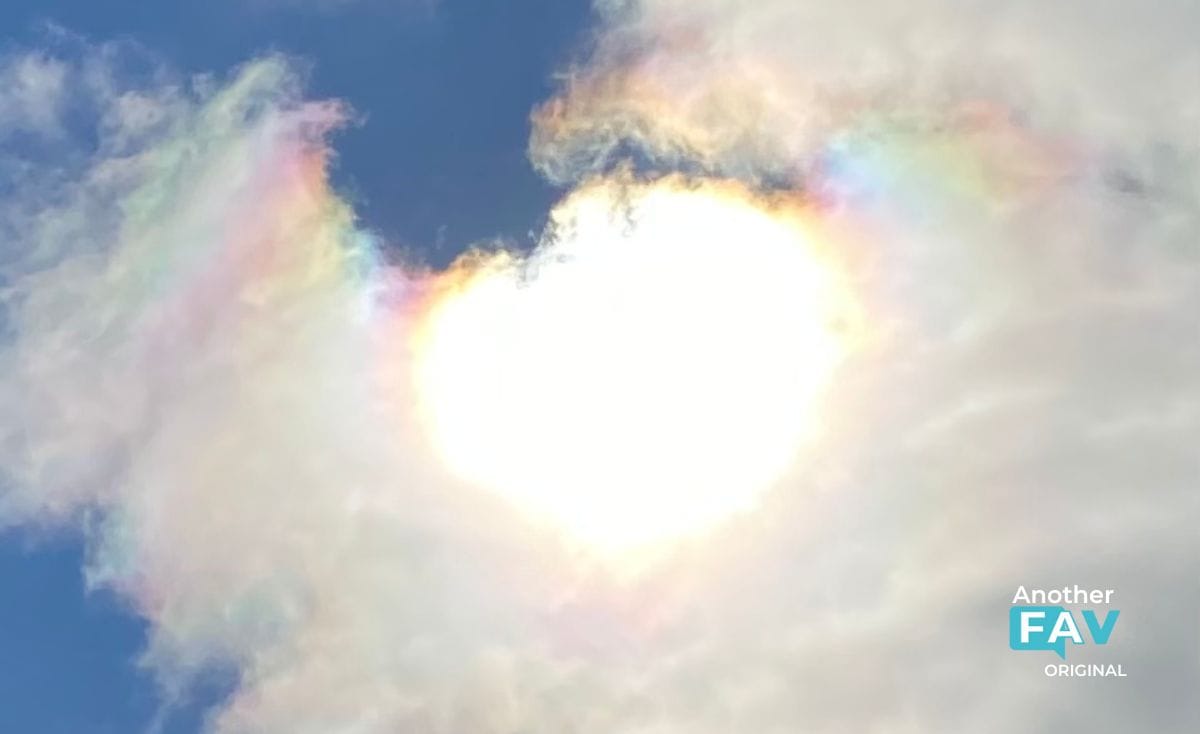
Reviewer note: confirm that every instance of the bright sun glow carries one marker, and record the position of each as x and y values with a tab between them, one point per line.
648	372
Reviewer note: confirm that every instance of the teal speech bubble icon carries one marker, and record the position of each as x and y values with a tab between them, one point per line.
1029	628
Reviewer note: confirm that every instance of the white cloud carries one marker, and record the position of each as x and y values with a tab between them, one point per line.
32	94
193	373
1021	182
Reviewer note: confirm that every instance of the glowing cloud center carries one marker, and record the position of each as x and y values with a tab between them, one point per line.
648	371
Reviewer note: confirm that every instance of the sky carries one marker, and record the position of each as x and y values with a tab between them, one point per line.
623	367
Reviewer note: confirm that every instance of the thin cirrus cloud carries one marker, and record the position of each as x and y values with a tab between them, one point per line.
207	363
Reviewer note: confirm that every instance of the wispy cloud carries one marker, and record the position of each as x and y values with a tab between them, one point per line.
208	369
1021	182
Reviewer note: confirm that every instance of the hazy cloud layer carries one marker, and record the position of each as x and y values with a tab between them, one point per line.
1026	176
200	371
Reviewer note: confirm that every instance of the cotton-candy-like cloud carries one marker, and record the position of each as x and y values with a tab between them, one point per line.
762	89
210	368
1020	188
191	371
271	436
972	287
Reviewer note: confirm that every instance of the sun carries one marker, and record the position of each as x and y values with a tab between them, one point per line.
647	372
